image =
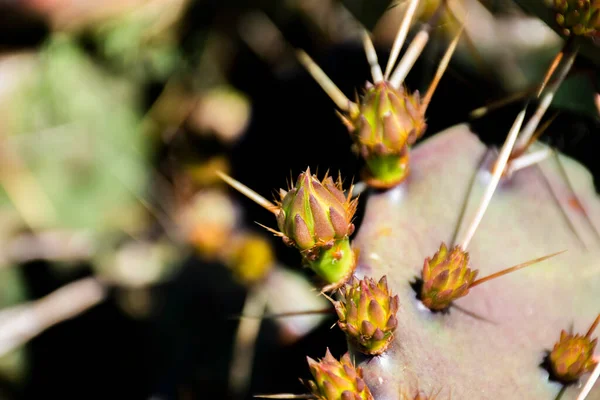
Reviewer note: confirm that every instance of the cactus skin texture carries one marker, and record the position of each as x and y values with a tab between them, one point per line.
337	380
572	357
315	217
387	122
367	313
446	277
497	356
578	17
419	396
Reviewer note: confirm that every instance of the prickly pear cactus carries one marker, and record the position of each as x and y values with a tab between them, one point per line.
429	326
495	349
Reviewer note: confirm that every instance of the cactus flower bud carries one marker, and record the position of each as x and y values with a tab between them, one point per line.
446	277
314	214
337	380
367	313
578	17
387	122
572	357
315	217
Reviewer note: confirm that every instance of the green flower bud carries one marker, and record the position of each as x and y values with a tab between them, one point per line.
446	277
337	380
315	214
389	120
315	217
367	313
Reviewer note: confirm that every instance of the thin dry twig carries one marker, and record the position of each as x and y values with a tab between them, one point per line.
240	370
21	323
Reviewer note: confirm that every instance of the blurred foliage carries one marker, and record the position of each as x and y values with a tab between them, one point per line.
12	292
543	10
77	129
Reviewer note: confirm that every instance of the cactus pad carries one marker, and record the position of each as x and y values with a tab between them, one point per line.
495	350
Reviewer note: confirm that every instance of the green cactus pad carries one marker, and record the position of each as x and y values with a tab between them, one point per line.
497	356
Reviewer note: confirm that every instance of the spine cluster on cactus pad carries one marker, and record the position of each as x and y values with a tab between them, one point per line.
572	356
367	313
446	277
337	380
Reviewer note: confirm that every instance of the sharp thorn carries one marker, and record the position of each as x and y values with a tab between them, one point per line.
527	160
401	36
463	209
496	175
372	57
546	100
513	269
496	104
441	69
565	176
555	63
338	97
587	388
593	327
249	193
410	57
286	314
561	208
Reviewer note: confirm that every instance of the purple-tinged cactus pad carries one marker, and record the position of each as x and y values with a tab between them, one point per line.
522	314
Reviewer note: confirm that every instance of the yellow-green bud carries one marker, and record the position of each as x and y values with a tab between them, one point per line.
388	121
367	313
315	217
315	213
572	357
337	380
446	277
